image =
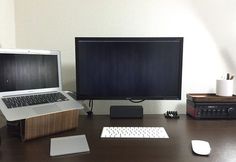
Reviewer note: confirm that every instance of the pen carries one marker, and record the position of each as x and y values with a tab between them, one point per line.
227	76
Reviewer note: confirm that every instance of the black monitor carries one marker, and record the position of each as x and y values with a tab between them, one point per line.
137	68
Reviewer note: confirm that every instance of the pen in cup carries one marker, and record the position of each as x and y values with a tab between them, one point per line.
229	76
225	86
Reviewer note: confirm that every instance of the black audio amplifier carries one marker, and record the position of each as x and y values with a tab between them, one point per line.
211	110
210	106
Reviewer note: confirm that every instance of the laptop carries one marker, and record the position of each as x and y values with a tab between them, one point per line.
30	84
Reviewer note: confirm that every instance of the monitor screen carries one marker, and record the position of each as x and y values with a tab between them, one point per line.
27	71
129	68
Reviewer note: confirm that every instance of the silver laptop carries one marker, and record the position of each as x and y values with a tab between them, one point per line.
30	84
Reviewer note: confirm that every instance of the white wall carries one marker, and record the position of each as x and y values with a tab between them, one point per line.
7	26
7	31
208	28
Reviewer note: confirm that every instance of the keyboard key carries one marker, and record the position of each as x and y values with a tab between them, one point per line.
14	102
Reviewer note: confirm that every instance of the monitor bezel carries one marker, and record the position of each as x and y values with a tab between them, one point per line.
92	97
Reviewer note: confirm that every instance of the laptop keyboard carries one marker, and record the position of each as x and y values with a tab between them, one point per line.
19	101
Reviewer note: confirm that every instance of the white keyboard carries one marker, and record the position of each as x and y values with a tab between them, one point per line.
134	132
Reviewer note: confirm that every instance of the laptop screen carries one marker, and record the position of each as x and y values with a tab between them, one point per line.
28	71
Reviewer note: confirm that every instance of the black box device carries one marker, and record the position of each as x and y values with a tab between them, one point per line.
126	112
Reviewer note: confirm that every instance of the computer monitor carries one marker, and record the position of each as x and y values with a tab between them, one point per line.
137	68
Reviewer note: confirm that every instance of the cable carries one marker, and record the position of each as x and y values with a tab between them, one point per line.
136	101
90	112
91	105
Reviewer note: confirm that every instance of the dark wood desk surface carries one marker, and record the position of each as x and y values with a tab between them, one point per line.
221	135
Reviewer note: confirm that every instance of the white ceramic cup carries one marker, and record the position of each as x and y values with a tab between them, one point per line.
224	87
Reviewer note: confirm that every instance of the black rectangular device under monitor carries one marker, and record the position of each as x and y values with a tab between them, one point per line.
126	112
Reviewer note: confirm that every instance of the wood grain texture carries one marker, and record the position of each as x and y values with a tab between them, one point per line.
210	97
49	124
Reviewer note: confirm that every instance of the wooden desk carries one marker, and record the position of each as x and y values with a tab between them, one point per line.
221	135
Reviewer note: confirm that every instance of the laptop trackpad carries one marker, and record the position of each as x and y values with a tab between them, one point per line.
46	109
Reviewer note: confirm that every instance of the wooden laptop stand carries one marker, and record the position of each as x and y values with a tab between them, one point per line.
47	124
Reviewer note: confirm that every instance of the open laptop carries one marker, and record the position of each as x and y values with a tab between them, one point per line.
30	84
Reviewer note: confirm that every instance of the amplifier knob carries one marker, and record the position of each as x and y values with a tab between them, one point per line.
223	111
231	109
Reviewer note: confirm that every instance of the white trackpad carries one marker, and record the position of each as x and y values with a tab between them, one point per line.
68	145
46	109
